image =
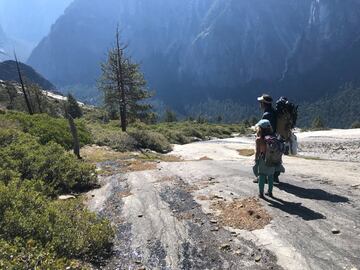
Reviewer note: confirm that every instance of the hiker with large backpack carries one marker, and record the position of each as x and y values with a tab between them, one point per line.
267	155
269	114
283	120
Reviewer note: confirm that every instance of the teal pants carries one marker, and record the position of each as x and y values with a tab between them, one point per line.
262	179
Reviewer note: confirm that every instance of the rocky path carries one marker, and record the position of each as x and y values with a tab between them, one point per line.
166	218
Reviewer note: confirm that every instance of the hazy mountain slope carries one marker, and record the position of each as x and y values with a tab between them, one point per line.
27	22
245	40
156	32
8	72
193	50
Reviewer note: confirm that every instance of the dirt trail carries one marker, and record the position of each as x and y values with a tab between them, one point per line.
166	219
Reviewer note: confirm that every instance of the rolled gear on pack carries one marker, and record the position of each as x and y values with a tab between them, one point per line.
287	114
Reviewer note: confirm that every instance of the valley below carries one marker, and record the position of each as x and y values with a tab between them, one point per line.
199	209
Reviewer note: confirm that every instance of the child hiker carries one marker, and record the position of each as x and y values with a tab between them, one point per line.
263	171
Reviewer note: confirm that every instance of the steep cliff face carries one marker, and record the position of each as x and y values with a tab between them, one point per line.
157	32
247	40
333	27
207	48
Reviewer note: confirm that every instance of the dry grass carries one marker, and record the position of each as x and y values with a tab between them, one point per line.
246	152
97	154
128	161
171	158
247	214
139	165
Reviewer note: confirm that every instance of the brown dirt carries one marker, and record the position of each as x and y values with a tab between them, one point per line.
205	158
185	216
247	214
171	158
246	152
192	188
125	194
203	198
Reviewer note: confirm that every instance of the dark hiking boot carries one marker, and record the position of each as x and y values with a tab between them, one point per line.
261	196
276	179
269	194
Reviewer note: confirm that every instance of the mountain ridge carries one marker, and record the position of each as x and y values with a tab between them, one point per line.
8	72
195	50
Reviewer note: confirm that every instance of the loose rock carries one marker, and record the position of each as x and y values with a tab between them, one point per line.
225	247
66	197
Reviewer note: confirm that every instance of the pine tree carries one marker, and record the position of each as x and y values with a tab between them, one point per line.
123	86
73	107
318	123
170	116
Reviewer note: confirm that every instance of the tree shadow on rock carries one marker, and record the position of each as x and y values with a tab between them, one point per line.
312	193
295	209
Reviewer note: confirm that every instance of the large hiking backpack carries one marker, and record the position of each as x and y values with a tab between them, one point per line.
286	114
275	149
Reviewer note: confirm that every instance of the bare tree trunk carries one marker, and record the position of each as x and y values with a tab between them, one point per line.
27	101
74	133
120	83
38	100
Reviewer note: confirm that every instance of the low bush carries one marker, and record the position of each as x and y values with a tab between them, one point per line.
150	140
48	128
188	131
112	137
60	171
36	232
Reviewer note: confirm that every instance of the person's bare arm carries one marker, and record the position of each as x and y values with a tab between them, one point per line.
257	149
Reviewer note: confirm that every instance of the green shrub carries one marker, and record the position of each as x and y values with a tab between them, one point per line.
177	137
48	129
35	231
111	137
151	140
193	132
60	170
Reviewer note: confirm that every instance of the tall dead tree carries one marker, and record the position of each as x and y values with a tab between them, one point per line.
27	100
123	85
120	81
74	133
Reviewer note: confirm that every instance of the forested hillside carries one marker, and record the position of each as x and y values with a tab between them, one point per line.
337	111
8	72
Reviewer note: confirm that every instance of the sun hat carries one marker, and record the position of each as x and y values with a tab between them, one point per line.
263	123
265	98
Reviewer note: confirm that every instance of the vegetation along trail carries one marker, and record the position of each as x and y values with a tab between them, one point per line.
199	211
